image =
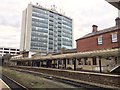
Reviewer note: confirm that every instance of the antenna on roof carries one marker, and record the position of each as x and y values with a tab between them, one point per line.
53	7
62	12
40	6
36	3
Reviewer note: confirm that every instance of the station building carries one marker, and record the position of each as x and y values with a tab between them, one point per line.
96	51
100	40
106	39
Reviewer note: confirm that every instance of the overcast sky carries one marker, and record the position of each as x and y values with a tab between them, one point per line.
84	13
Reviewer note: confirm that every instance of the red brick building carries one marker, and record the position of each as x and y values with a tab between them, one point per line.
98	40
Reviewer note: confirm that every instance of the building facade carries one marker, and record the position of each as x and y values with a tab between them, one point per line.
45	30
96	51
7	50
100	40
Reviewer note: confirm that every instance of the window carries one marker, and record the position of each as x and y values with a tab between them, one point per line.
114	37
72	62
85	60
88	62
8	49
99	40
68	61
1	48
80	62
60	61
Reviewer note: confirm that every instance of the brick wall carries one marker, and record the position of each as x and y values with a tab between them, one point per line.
90	43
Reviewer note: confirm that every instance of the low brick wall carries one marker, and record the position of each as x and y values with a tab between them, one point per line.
105	79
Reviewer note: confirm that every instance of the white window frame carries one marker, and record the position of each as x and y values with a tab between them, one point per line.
114	37
99	40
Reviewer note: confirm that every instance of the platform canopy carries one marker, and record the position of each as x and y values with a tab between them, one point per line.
97	53
115	3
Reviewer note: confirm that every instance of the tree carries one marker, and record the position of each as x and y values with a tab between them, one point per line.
6	59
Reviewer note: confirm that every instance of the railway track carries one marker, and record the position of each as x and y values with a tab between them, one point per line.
63	80
12	83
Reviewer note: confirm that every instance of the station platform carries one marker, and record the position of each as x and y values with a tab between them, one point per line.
3	85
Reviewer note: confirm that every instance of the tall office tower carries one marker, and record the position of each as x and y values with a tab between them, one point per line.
45	30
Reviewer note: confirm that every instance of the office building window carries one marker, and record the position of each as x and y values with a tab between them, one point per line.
114	37
99	40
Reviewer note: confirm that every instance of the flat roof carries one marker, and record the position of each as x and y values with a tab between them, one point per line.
97	53
53	11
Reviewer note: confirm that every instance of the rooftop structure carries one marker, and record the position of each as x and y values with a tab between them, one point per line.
8	50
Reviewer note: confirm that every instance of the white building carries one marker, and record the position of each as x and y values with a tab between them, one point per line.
45	30
8	50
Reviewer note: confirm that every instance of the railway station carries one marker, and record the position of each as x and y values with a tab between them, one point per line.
97	61
103	55
94	63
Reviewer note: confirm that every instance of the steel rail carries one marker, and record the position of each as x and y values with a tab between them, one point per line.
63	80
14	85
